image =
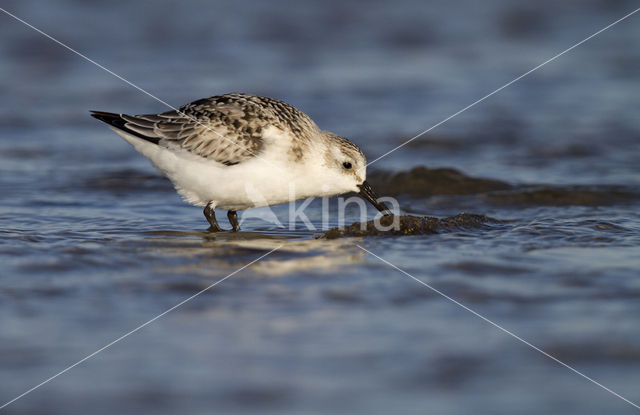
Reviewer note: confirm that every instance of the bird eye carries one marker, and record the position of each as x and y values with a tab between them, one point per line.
346	165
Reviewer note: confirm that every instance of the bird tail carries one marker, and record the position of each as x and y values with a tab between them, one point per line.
117	121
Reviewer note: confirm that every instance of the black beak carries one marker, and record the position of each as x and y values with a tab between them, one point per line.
367	192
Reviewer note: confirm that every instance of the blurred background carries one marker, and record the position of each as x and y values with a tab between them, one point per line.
94	242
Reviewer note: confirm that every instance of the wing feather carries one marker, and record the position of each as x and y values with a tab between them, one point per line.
216	132
225	128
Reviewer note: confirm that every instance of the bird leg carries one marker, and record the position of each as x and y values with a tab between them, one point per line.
211	217
233	219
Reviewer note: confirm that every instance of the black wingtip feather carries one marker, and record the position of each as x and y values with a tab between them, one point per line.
109	117
116	121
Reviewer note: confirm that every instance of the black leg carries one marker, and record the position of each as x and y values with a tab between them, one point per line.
211	217
233	219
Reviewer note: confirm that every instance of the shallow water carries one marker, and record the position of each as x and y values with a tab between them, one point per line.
93	242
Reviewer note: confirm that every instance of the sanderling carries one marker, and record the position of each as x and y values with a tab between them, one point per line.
239	151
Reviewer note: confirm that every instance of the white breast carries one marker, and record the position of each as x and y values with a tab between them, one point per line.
271	178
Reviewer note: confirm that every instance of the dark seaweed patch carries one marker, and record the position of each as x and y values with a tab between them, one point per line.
422	181
413	225
565	196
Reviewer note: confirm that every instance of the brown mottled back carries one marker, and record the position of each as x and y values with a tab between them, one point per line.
225	128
